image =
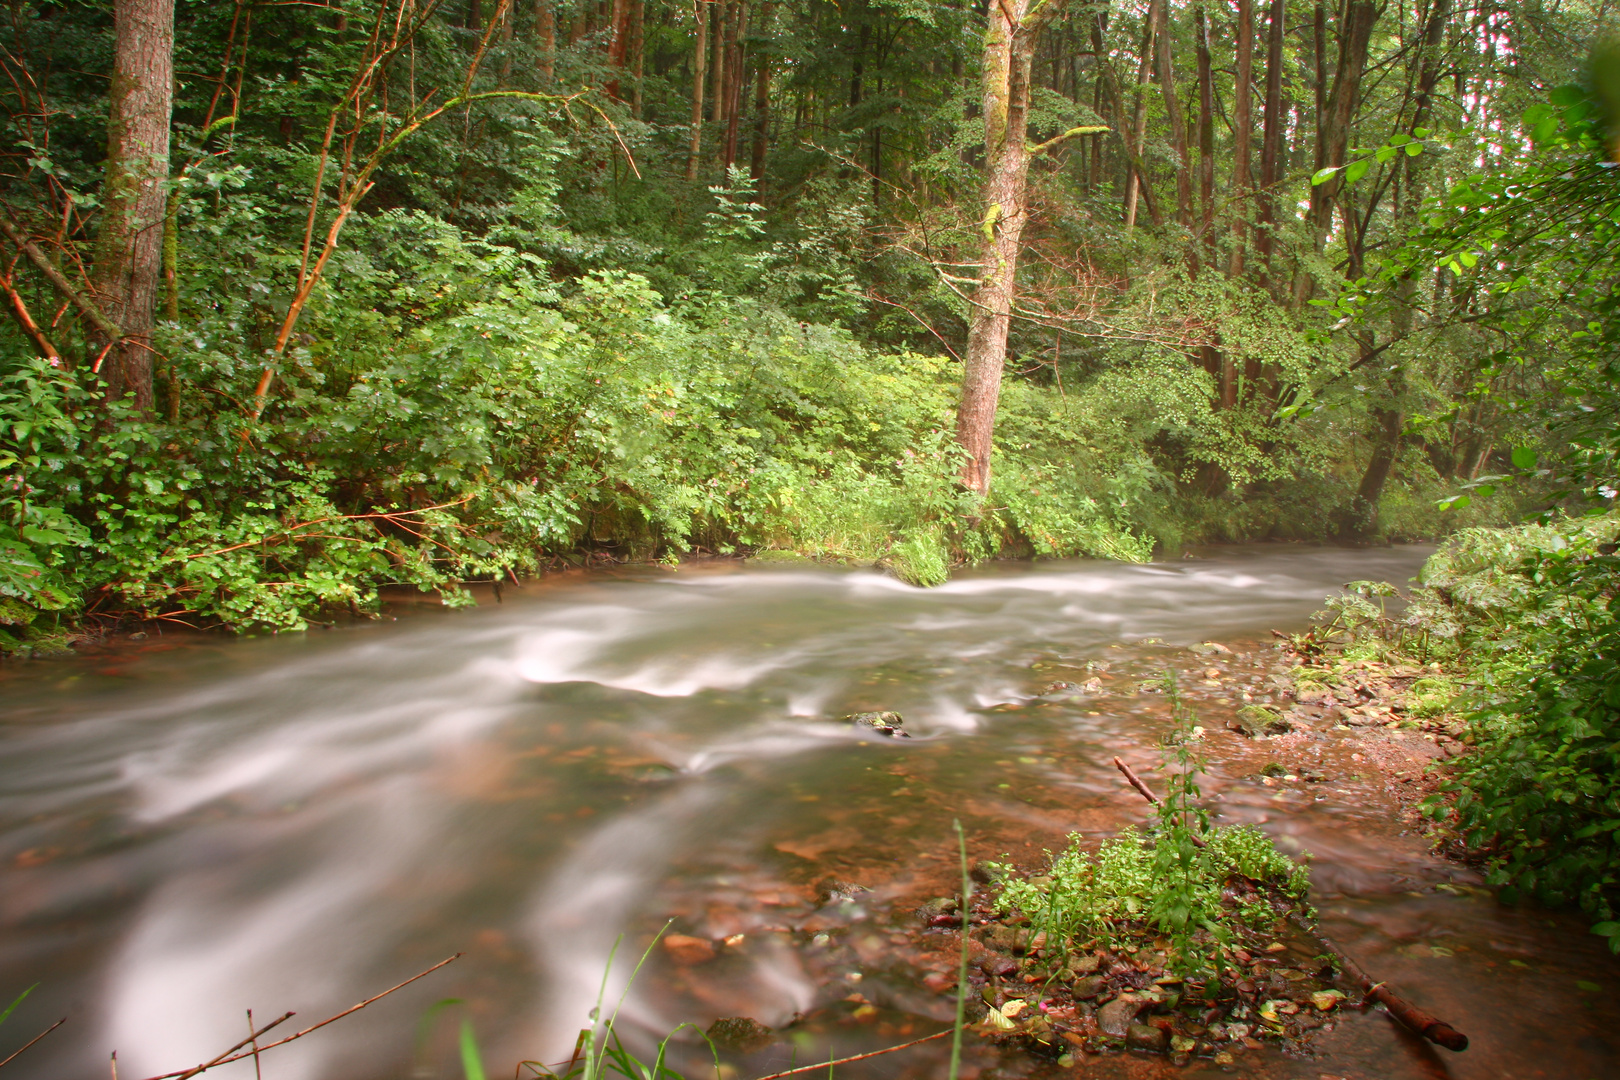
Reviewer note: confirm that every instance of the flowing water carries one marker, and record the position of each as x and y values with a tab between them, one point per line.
191	829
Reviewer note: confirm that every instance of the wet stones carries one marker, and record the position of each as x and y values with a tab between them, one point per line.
884	723
1210	648
1147	1037
1259	721
1118	1016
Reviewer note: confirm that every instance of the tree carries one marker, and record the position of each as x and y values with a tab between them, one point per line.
129	247
1009	50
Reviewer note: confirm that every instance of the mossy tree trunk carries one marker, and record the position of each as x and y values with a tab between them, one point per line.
128	268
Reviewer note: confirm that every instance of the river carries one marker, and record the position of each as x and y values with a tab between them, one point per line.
193	827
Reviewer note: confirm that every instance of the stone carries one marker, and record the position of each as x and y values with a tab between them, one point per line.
1271	768
688	950
1084	965
1147	1037
1116	1017
884	723
741	1033
1007	938
1211	648
1258	721
1086	987
940	905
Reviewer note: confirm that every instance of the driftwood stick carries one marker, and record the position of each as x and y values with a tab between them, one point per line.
34	1040
857	1057
1425	1024
229	1056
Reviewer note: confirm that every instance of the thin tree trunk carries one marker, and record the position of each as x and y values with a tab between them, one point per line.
721	83
1009	48
762	100
1242	131
1206	130
736	76
1271	140
545	23
1136	182
1165	71
700	57
1389	420
638	53
129	246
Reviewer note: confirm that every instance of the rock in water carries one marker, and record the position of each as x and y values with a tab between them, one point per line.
1116	1017
1258	721
884	723
1147	1037
686	950
740	1033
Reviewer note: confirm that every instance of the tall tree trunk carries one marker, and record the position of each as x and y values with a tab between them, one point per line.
638	53
700	57
545	25
1206	130
1242	131
1009	49
1165	71
1271	140
129	246
1389	420
1136	184
618	43
717	61
762	95
736	76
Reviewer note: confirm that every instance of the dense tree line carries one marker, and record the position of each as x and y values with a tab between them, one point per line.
305	297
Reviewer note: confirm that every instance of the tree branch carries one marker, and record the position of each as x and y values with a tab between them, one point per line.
108	328
1041	148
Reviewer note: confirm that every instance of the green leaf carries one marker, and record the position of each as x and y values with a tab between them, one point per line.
1356	170
1414	149
1589	987
1322	176
471	1063
1567	95
1602	929
19	1001
1524	457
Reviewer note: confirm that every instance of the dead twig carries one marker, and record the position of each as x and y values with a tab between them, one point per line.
857	1057
231	1055
1423	1023
34	1040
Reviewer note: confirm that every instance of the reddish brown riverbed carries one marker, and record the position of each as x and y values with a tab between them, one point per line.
296	823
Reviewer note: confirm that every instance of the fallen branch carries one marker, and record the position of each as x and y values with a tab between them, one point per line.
857	1057
1425	1024
42	262
34	1040
231	1055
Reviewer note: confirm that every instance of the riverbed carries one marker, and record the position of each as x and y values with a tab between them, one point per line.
194	827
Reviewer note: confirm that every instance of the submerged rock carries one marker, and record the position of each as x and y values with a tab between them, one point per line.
686	950
1258	721
884	723
740	1033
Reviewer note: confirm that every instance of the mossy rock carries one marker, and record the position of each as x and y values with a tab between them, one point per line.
1259	721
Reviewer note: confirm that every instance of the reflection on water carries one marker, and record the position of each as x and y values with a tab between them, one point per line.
296	823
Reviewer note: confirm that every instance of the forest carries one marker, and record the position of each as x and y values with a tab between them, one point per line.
433	293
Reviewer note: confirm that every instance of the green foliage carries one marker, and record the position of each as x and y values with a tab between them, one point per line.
1170	884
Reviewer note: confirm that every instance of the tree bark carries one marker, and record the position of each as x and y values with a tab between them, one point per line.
618	43
1271	140
1206	130
717	61
638	53
1009	49
1242	131
1165	71
1136	184
700	57
545	24
129	245
736	75
762	98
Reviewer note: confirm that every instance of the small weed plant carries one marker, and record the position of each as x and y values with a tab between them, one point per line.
1173	882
